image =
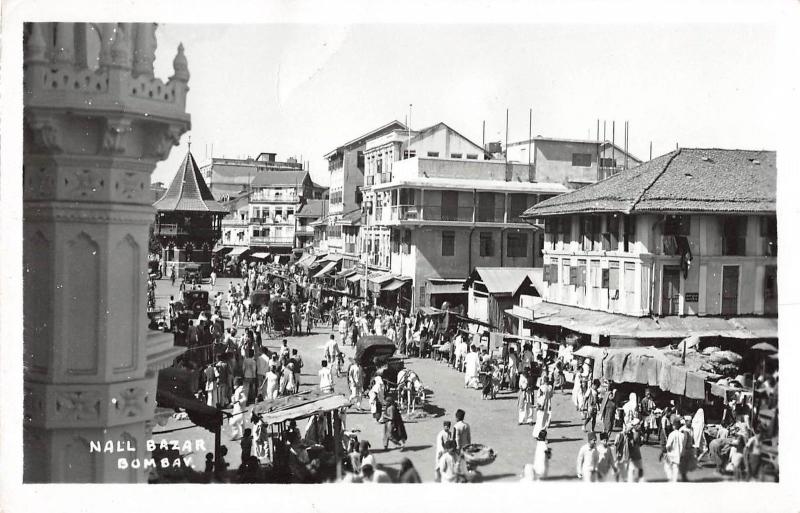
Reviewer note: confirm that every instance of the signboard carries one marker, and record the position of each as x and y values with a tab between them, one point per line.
692	297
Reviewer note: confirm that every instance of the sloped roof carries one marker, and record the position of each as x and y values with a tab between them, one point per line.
351	218
188	191
604	145
684	180
366	136
429	129
274	178
311	208
535	277
499	280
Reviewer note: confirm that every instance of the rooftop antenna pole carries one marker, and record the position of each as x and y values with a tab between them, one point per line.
626	145
613	144
597	148
483	135
408	126
530	140
651	150
505	149
190	143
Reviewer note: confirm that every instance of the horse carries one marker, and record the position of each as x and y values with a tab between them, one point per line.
410	390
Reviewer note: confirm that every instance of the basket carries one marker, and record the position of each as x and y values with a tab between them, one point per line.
479	455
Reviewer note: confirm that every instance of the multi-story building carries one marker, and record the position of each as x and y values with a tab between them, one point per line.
380	154
236	225
274	199
447	216
228	177
571	162
346	167
306	214
691	233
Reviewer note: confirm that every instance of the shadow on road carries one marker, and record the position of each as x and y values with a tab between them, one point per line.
494	477
557	440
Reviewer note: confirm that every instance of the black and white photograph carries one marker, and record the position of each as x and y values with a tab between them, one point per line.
329	246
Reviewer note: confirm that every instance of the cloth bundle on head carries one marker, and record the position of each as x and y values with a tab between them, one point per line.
591	436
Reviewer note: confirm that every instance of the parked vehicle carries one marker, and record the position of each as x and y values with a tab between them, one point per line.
280	314
375	355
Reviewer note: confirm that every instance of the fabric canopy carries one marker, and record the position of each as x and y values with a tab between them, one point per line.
221	250
446	287
238	250
298	406
382	278
306	260
325	270
357	277
393	285
346	272
260	255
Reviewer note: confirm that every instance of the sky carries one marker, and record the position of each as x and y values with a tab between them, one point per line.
302	90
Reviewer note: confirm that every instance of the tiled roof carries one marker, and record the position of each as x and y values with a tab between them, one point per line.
311	208
275	178
685	180
499	280
351	218
396	124
188	191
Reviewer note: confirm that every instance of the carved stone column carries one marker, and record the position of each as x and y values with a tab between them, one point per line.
91	141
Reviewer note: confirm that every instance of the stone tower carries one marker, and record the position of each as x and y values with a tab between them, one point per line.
96	122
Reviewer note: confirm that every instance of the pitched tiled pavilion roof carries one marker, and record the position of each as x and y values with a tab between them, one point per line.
188	191
684	180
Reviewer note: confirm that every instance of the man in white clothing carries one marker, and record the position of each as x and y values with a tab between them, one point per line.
588	459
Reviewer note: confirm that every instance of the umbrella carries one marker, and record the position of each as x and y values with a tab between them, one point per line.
765	346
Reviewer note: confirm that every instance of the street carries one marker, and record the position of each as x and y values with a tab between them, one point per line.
493	422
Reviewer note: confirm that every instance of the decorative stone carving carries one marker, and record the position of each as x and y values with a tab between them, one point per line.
130	402
45	134
84	183
162	141
39	183
115	136
130	186
78	406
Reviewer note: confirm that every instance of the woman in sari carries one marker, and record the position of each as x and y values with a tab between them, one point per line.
544	396
513	368
631	409
525	398
608	410
698	434
394	429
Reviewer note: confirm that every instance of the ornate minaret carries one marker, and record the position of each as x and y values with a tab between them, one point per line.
96	122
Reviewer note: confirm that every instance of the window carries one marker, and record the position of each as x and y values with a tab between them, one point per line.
486	210
613	275
395	241
455	155
360	160
564	228
407	242
565	274
769	231
517	245
433	153
580	274
550	272
630	233
472	156
607	162
409	154
770	289
448	243
581	159
734	235
677	225
486	244
517	204
611	235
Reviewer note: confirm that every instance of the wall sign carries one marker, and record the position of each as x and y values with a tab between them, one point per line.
692	297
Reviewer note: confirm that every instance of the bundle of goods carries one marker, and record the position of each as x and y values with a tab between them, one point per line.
721	363
478	455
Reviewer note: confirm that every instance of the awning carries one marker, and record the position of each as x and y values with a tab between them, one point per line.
221	250
518	312
346	272
260	255
591	322
380	279
325	270
394	285
306	260
357	277
298	406
446	287
238	250
332	257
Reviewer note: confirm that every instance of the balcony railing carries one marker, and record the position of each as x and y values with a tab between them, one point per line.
386	177
304	230
271	241
438	213
404	212
173	230
350	247
490	215
271	220
281	198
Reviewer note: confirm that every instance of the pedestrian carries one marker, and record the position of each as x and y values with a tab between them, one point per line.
367	458
370	474
631	409
588	458
513	369
647	409
239	400
606	461
629	453
442	438
688	455
472	368
287	384
673	450
246	444
211	377
451	466
394	428
224	377
262	366
261	437
284	352
590	407
269	388
541	456
297	366
172	274
355	381
752	452
209	468
376	395
608	410
408	474
325	378
213	278
249	368
544	396
461	431
698	434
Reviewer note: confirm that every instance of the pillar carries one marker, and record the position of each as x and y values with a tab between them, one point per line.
89	375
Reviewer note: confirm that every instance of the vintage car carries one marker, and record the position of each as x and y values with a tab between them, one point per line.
375	355
195	301
193	273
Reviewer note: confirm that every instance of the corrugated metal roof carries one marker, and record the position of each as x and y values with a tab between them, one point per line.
499	280
188	191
